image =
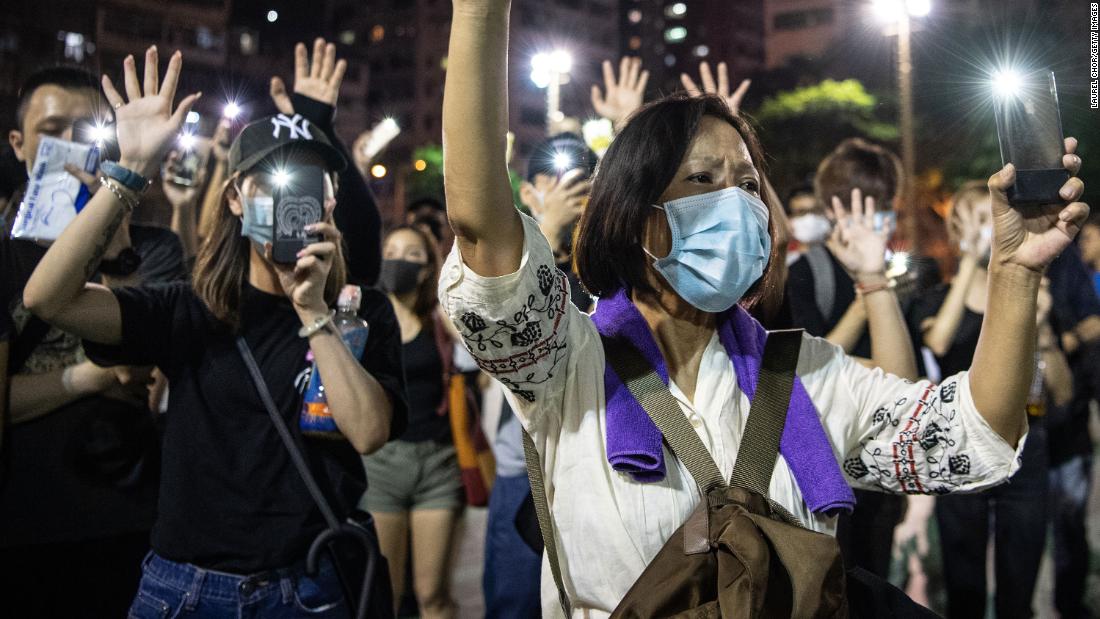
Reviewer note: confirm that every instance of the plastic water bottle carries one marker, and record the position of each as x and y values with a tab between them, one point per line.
316	419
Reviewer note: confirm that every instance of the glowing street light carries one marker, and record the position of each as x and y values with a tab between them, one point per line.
378	170
550	70
420	165
272	16
899	12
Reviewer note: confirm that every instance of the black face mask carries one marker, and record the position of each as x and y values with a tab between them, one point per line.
399	276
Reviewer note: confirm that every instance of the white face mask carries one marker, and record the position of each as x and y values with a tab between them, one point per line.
810	229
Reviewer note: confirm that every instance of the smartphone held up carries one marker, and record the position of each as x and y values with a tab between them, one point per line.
1029	129
298	202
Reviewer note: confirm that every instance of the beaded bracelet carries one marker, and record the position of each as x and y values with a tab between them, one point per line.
129	202
318	323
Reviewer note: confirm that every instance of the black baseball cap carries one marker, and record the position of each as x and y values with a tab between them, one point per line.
266	136
567	148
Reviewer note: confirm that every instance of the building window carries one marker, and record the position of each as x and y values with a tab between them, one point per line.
676	34
634	16
377	33
798	20
635	43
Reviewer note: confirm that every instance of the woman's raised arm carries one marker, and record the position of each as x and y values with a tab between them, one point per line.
475	122
57	291
1025	241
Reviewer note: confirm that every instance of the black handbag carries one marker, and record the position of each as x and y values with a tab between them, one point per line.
360	565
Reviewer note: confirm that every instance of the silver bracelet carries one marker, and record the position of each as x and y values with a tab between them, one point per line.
319	323
128	203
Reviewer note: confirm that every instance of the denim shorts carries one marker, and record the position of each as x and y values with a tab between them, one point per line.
169	589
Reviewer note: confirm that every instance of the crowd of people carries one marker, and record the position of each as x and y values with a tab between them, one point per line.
198	421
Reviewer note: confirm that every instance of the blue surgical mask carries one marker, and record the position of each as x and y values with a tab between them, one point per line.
720	246
258	219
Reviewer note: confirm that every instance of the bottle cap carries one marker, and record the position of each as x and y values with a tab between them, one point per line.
351	297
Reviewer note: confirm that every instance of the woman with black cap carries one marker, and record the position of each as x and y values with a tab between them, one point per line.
235	519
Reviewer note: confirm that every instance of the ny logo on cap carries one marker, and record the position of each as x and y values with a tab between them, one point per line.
298	126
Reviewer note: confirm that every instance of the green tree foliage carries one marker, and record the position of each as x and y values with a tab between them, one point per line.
799	127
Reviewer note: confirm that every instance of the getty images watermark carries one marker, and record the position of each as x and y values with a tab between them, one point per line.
1094	51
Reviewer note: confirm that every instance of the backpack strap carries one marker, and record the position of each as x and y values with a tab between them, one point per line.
760	442
654	396
546	523
768	414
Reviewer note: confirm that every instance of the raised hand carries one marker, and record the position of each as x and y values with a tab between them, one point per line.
144	120
1032	237
318	79
624	95
855	242
720	88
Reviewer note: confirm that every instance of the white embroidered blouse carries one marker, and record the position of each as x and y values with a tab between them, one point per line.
887	433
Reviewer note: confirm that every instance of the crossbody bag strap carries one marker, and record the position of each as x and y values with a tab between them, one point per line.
546	523
654	396
33	333
768	414
296	455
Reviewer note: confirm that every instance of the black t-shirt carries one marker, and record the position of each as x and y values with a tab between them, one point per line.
804	311
230	498
961	352
424	373
48	491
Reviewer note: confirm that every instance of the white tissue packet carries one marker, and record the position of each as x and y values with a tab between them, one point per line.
53	196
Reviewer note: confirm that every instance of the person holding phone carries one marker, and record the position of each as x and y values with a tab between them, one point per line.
80	437
234	519
1016	514
681	169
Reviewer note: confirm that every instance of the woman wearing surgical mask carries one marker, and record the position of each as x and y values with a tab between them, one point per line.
415	485
809	225
676	237
951	318
235	520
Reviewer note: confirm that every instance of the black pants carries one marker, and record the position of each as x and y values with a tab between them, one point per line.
1017	514
866	536
93	578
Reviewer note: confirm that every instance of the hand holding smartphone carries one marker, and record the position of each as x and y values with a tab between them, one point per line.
1029	129
299	201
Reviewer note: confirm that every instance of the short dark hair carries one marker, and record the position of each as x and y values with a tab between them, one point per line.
69	77
805	188
855	162
638	167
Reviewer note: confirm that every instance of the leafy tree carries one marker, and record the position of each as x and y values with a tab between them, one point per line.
800	126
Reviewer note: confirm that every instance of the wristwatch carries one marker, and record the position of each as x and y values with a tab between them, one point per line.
124	176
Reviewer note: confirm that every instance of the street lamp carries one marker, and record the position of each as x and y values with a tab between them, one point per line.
900	12
551	70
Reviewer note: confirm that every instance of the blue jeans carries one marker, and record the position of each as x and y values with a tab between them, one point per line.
512	569
1069	493
170	589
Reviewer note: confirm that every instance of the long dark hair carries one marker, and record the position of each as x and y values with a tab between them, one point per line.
427	295
221	266
639	165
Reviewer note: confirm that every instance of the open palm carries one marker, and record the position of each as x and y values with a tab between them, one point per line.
1032	237
623	95
318	79
721	87
855	242
145	122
